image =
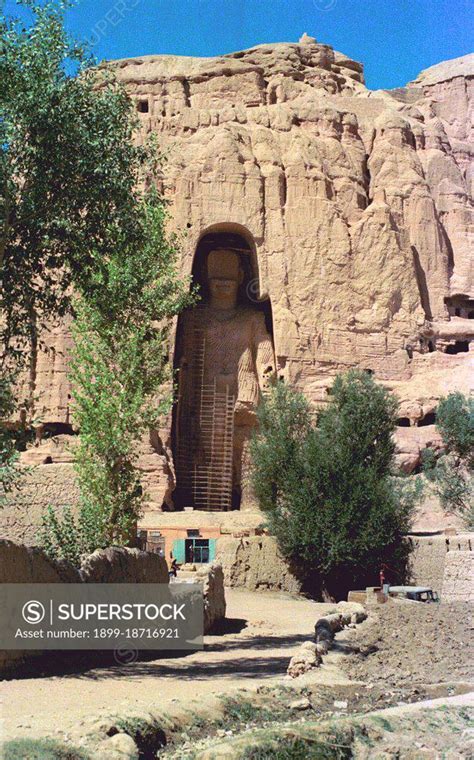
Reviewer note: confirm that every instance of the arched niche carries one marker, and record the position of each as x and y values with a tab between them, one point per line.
238	237
238	240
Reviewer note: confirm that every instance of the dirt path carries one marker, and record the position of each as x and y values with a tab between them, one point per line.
267	629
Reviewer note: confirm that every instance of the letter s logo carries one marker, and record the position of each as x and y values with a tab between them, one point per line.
33	612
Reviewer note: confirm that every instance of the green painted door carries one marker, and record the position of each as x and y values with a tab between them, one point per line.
212	549
179	551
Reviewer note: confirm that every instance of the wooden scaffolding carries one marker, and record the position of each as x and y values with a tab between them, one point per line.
205	438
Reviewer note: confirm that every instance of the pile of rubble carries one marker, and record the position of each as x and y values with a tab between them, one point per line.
310	653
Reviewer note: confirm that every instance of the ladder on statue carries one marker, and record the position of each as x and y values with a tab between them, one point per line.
206	437
212	487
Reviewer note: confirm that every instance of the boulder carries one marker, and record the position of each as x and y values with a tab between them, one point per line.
118	564
301	704
327	626
306	658
352	612
212	578
118	747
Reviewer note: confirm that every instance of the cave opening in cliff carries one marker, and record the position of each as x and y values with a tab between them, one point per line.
428	419
224	359
52	429
460	306
143	106
403	422
459	347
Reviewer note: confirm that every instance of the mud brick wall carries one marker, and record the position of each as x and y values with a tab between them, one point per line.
458	580
23	564
254	562
427	562
432	556
51	484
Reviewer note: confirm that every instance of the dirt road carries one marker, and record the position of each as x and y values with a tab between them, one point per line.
264	630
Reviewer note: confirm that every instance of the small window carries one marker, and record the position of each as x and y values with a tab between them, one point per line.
193	533
155	542
142	106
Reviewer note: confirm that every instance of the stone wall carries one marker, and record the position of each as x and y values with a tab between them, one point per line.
211	578
23	564
41	486
458	579
117	564
427	561
255	563
432	555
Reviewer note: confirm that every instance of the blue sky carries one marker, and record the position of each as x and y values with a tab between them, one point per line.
394	39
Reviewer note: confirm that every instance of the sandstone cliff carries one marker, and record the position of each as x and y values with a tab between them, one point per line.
356	204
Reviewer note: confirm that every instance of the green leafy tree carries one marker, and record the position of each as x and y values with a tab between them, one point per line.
284	423
328	489
69	170
121	385
455	421
76	227
8	450
451	475
69	187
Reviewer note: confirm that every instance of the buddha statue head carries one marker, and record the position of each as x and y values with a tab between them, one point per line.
224	276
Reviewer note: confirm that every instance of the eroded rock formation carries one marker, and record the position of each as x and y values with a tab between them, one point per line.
356	205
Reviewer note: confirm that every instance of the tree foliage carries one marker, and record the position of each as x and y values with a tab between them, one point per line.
285	422
451	475
121	382
455	421
69	173
327	486
8	452
73	217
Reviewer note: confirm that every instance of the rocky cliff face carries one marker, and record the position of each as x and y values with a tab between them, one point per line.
356	204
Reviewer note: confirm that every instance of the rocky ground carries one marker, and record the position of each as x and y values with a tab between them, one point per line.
410	696
262	630
413	646
425	732
399	686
